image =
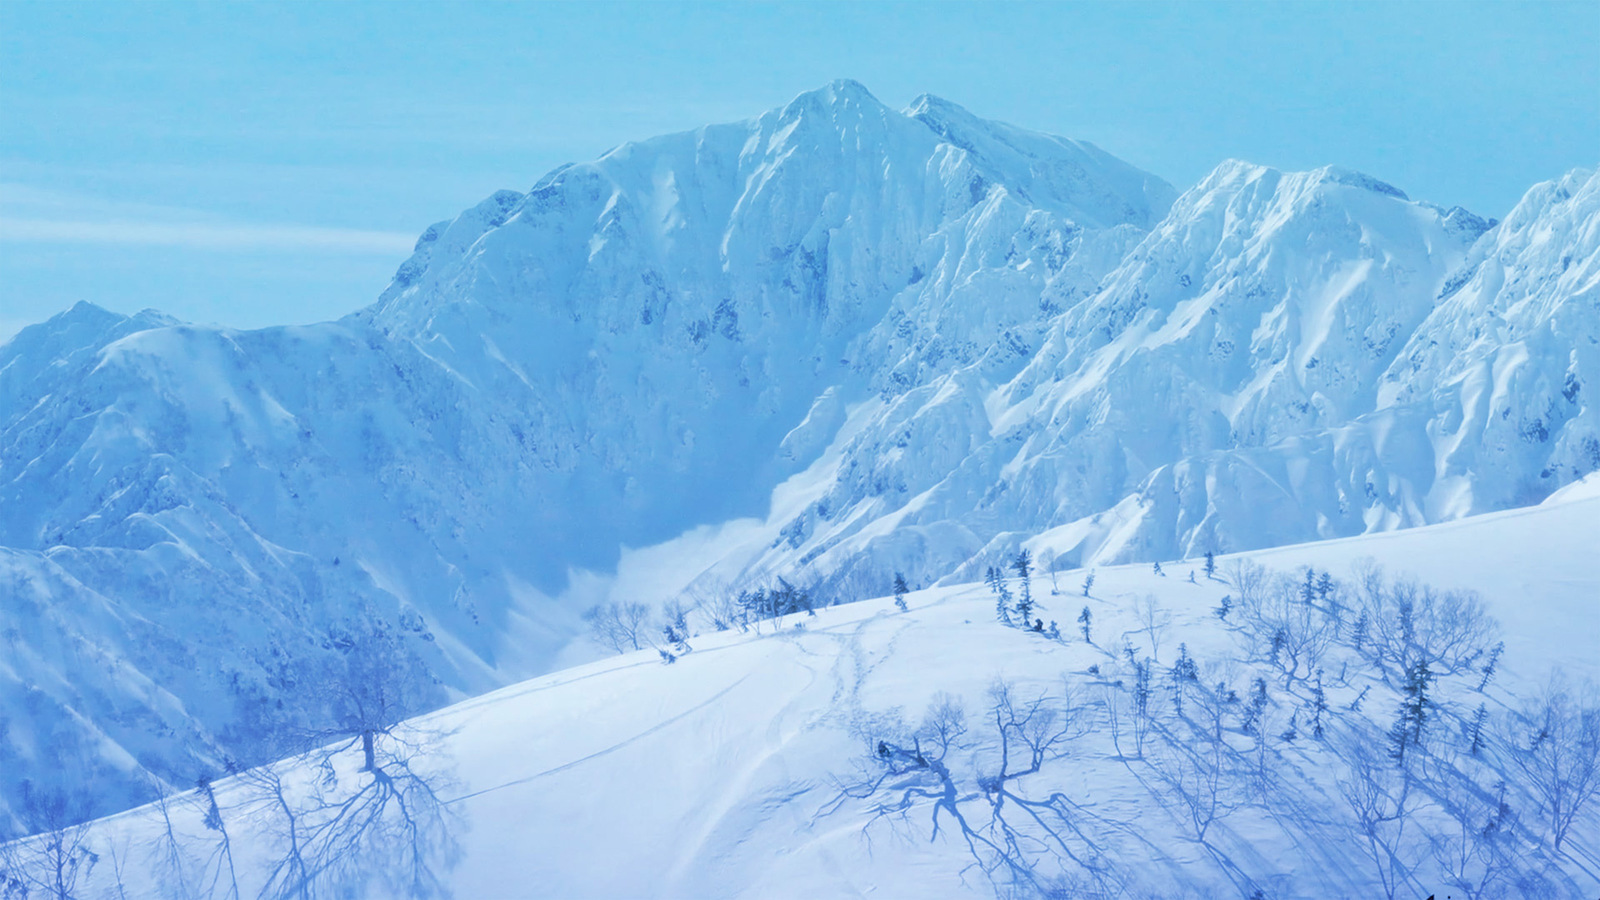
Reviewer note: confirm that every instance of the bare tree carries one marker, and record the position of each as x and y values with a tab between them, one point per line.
1153	621
1292	634
362	811
1249	579
1410	622
1022	843
1557	737
718	603
1201	771
1381	813
943	725
56	856
618	625
1478	851
353	830
219	864
13	885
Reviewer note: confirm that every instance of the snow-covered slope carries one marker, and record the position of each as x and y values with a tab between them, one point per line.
747	768
619	355
1269	365
830	342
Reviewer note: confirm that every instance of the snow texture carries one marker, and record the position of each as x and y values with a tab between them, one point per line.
832	342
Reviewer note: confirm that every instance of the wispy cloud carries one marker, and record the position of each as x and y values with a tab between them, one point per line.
31	215
204	236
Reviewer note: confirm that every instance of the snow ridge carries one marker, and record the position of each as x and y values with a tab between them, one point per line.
833	341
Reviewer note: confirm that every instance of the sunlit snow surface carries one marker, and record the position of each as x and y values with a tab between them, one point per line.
832	342
717	776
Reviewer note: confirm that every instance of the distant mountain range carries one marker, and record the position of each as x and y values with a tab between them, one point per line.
829	343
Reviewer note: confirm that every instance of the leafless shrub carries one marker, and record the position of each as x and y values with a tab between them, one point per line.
1557	740
1153	621
619	626
1410	622
1478	849
1378	796
718	604
56	856
1287	630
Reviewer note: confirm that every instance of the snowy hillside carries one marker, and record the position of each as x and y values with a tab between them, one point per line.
829	343
796	760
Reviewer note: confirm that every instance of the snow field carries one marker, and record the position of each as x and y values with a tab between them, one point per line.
722	775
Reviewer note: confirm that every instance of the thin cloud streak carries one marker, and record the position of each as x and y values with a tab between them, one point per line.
207	236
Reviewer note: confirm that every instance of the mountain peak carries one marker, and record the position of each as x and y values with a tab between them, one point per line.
842	92
1352	178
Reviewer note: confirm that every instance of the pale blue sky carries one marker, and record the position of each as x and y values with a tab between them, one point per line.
272	163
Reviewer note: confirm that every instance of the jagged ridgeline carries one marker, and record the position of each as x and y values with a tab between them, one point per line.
840	340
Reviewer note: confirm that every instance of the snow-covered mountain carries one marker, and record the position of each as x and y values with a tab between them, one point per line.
831	342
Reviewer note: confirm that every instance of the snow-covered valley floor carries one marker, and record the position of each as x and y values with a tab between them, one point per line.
935	752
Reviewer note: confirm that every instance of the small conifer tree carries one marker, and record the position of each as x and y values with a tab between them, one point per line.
1211	564
1319	705
1023	565
900	591
1355	705
1083	620
1183	673
1088	583
1256	708
1407	730
1479	718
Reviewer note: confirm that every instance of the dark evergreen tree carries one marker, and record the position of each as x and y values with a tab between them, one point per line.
1324	586
1256	708
1211	564
1308	591
1185	669
1225	607
1407	730
1023	565
1002	595
1088	583
1183	673
1141	689
1358	637
1083	620
1479	718
900	591
1319	705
